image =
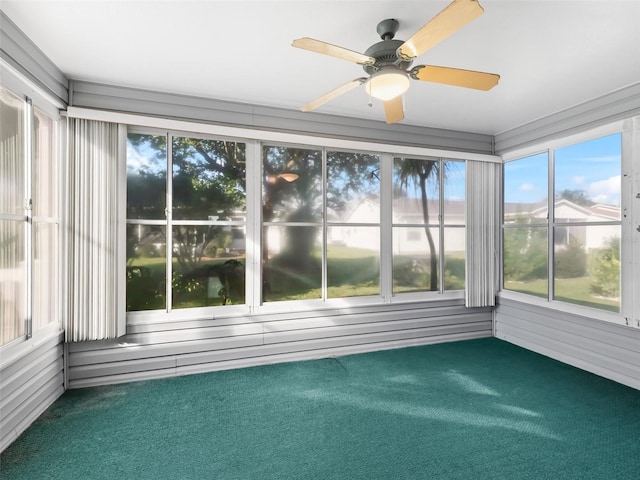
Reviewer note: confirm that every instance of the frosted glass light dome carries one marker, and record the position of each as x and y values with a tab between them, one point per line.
387	84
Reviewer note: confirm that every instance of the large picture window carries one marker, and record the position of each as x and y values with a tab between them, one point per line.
321	217
185	230
213	223
567	249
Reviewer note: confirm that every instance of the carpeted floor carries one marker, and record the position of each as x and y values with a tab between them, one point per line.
479	409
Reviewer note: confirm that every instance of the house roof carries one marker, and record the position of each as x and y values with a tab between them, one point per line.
539	209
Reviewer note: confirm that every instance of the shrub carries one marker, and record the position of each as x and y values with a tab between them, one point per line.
605	277
571	261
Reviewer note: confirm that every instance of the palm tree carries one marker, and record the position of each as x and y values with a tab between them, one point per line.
414	172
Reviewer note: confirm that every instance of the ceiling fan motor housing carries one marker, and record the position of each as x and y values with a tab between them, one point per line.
384	52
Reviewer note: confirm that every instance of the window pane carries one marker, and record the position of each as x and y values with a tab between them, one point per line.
45	170
526	189
526	260
146	267
12	280
292	185
415	186
146	176
587	265
208	179
353	187
208	266
11	153
587	180
454	192
292	263
415	259
46	288
353	261
454	249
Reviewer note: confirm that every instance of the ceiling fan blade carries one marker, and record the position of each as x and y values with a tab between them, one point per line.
448	21
333	94
317	46
394	110
456	77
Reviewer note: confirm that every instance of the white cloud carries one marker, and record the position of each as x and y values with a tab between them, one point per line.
527	187
605	191
602	159
578	180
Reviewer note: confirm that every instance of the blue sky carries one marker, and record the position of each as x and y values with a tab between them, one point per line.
592	166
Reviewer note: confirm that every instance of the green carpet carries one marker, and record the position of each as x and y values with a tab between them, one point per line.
479	409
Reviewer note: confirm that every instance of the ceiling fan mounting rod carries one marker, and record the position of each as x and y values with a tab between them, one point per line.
387	28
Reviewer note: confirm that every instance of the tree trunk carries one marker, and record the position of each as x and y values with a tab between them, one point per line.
433	259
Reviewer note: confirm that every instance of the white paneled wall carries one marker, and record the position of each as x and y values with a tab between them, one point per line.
603	348
179	348
29	383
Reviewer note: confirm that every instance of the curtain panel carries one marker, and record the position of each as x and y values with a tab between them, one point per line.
93	238
483	186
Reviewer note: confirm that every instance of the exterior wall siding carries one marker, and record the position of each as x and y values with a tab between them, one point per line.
180	348
606	349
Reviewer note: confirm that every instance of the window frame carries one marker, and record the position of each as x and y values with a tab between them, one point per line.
33	99
439	222
623	317
169	223
253	139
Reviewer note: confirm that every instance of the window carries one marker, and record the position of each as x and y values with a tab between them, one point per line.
185	231
29	223
321	218
586	223
525	242
428	225
304	223
45	222
568	249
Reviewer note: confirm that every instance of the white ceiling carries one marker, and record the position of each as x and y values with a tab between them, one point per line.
551	55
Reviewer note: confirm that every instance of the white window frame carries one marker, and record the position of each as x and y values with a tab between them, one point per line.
254	140
35	97
626	316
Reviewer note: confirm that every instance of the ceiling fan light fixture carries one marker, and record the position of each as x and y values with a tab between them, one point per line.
387	84
288	177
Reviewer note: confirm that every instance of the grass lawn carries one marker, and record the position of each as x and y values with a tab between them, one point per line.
572	290
351	272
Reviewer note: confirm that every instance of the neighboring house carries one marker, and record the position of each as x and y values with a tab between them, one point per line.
567	212
408	232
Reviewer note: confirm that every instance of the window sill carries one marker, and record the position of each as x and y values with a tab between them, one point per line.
20	347
151	317
592	313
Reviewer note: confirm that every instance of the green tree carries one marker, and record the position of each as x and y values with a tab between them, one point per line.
416	173
208	179
351	176
579	197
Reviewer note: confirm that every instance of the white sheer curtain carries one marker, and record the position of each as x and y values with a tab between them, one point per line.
94	192
483	233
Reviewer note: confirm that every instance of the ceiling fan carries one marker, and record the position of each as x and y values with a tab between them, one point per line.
388	62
